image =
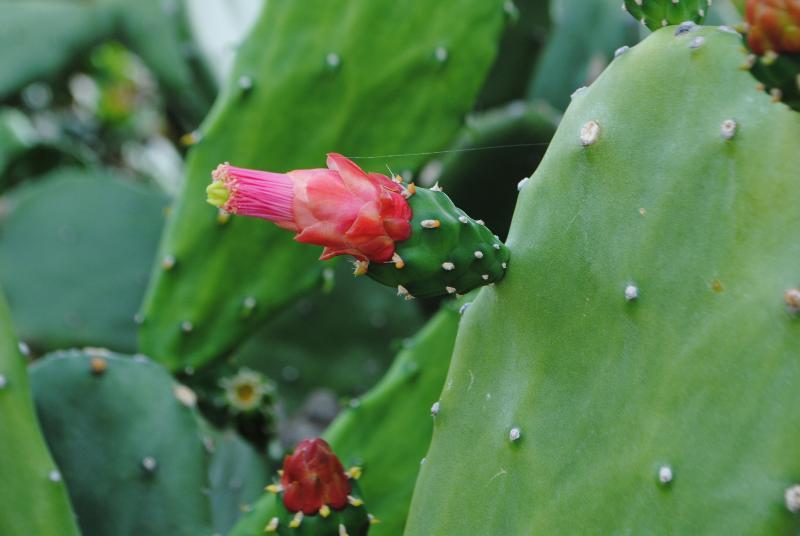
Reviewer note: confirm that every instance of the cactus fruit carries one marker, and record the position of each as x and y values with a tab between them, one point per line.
51	245
330	45
658	13
774	37
369	217
134	454
448	252
33	495
366	433
636	371
313	495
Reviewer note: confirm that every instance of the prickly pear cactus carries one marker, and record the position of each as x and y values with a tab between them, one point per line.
447	253
34	498
134	454
201	304
658	13
366	434
636	371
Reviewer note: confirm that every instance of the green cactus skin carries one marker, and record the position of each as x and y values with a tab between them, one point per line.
52	245
668	413
366	434
658	13
304	57
33	495
448	252
134	454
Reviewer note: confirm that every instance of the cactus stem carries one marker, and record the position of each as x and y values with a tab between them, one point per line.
54	476
728	129
665	475
342	530
354	501
435	409
398	261
514	434
272	526
430	224
296	520
589	133
451	290
792	498
98	365
274	488
792	299
324	510
448	266
631	292
360	267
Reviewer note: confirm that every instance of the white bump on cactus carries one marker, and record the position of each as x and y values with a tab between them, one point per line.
435	409
514	434
665	475
589	133
621	50
451	290
463	308
24	349
168	263
463	219
149	464
792	498
697	42
333	60
3	382
631	292
249	303
448	266
728	129
485	277
245	82
185	395
54	476
187	326
441	54
478	254
521	184
430	224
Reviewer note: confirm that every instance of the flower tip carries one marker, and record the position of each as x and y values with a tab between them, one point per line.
217	193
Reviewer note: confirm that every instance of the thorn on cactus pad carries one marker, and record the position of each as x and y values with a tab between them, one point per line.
697	42
448	266
333	61
54	476
24	349
398	261
296	520
191	138
441	54
184	395
451	290
187	326
485	277
373	520
245	83
514	434
3	382
274	488
665	475
435	409
521	184
776	94
430	224
343	530
402	291
685	27
631	292
98	365
138	319
478	254
354	501
168	263
496	246
354	472
360	267
463	219
621	50
325	510
436	187
480	222
589	133
410	190
728	129
792	498
149	464
272	526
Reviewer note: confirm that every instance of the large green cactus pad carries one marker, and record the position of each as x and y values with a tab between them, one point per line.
310	79
388	430
33	497
134	454
569	398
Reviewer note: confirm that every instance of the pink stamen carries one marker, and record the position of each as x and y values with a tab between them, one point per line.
257	193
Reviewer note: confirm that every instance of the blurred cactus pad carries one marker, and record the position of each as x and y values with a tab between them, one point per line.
636	370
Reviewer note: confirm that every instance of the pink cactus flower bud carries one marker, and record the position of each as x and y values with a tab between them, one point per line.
313	477
342	208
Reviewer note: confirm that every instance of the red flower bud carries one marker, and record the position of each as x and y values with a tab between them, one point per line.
342	208
774	25
313	477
